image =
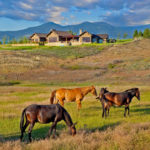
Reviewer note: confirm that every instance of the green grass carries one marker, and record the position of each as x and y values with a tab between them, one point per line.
89	117
72	52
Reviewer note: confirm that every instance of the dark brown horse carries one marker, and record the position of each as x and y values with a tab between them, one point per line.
45	114
111	98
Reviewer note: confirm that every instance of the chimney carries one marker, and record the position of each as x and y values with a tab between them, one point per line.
80	31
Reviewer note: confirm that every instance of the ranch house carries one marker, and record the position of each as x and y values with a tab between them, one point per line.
65	38
86	37
61	38
38	37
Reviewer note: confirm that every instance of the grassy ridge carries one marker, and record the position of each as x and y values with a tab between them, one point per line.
14	98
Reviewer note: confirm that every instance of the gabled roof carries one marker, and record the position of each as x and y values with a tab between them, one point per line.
103	36
41	35
84	33
65	34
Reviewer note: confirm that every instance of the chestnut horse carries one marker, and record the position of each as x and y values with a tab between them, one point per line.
45	114
124	98
71	95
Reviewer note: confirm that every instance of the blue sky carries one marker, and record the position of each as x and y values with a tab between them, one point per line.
20	14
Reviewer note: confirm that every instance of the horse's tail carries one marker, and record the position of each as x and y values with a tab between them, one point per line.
52	97
22	119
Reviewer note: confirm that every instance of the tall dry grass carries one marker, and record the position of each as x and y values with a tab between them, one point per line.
123	137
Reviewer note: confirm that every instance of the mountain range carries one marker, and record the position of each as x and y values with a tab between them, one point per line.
92	27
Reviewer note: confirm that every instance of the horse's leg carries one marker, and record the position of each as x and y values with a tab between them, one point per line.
125	111
61	102
54	132
30	130
103	112
128	110
23	129
52	127
79	104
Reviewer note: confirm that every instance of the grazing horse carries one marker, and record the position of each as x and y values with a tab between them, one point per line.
118	99
45	114
71	95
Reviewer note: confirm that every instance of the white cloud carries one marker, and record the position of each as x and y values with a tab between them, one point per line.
25	5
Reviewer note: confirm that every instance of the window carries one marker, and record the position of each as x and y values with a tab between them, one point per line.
86	39
52	39
36	40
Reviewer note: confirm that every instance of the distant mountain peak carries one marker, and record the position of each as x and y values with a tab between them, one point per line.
92	27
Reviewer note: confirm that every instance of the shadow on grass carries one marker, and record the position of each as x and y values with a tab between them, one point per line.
37	134
142	110
105	127
11	83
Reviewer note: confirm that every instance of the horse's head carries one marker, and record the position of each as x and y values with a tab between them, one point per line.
137	93
93	91
73	129
102	92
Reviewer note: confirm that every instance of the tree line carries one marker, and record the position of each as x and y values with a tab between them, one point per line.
140	34
6	40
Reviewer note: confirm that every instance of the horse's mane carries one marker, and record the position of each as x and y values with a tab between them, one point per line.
67	117
130	90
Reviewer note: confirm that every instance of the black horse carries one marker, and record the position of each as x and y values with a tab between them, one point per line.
45	114
111	98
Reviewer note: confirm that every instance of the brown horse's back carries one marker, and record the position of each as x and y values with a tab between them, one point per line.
68	94
117	98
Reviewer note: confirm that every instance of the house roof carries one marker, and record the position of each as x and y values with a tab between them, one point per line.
41	35
84	33
65	34
103	36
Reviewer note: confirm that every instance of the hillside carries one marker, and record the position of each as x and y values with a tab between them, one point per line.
28	75
92	27
108	64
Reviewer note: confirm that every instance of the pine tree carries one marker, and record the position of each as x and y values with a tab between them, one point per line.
146	33
135	34
140	34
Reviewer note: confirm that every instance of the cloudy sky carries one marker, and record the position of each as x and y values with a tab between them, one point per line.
19	14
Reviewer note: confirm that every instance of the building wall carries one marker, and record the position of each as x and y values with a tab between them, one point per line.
52	35
26	44
85	35
73	43
35	38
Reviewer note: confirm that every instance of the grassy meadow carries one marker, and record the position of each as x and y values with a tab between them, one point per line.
109	133
28	75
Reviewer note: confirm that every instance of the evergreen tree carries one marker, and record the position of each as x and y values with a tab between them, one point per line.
135	34
146	33
140	34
